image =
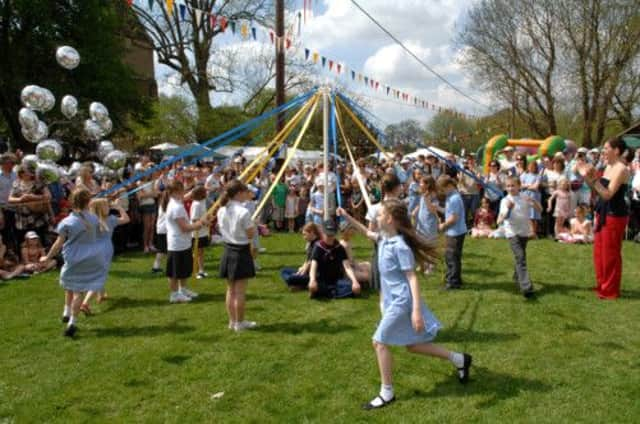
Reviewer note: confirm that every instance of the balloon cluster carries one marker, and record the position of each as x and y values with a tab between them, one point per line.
49	151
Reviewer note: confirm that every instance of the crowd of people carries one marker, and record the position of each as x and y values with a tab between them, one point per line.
407	205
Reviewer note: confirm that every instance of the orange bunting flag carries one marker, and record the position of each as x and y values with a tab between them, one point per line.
169	7
244	30
287	43
272	36
315	57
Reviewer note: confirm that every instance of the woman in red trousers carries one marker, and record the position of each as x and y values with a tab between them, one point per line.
612	216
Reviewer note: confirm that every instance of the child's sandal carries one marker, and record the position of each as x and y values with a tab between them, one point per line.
86	309
370	405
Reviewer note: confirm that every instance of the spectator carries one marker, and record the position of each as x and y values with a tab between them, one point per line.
299	279
32	200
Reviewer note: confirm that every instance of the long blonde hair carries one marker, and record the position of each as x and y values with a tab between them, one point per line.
98	207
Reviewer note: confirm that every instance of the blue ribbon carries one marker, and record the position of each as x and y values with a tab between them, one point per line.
221	140
333	138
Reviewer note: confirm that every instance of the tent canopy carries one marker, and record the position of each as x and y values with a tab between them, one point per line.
426	152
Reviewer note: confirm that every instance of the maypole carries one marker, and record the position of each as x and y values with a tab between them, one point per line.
325	141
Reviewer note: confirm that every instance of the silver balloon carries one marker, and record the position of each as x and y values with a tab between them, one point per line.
106	126
68	57
49	150
35	97
97	169
92	130
49	100
98	112
115	160
30	162
69	106
47	172
28	118
74	168
36	134
104	148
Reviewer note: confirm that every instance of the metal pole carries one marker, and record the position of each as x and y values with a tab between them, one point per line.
325	140
280	47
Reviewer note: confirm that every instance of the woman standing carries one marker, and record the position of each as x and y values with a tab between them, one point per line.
147	202
32	200
612	215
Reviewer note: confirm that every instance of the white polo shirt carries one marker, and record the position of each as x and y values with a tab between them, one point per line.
177	240
517	224
233	222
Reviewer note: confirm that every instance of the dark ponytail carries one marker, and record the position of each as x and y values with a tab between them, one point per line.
231	189
424	250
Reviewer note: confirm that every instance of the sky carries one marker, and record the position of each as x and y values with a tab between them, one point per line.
339	31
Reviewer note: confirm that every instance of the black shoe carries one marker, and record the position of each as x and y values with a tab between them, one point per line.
65	319
463	373
156	270
70	331
529	295
369	406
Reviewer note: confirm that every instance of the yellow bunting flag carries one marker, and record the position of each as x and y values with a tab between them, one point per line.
316	57
169	7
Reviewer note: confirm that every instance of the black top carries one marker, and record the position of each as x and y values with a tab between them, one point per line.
329	259
618	205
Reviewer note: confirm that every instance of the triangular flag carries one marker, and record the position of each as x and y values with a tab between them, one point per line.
244	30
183	10
212	21
307	52
288	43
360	77
272	36
233	27
366	80
129	2
299	23
338	68
169	7
353	75
324	61
316	56
388	89
254	32
377	85
331	65
198	14
151	5
223	23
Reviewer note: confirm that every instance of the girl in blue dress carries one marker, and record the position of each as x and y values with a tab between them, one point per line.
83	259
106	224
406	319
426	215
530	186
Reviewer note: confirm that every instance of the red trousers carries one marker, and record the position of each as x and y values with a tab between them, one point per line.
607	256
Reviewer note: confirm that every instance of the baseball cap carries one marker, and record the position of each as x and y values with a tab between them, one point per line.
31	235
508	149
329	227
583	150
594	150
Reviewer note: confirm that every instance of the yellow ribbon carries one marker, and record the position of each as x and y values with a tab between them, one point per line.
364	129
289	157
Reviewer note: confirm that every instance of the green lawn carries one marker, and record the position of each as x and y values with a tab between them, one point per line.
566	357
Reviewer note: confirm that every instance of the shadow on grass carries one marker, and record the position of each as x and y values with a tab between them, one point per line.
610	346
318	327
455	335
485	382
175	359
149	330
116	303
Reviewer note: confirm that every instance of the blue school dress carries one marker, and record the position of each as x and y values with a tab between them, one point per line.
414	195
394	259
83	258
105	246
530	178
317	201
426	221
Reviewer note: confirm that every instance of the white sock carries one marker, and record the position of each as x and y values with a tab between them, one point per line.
66	311
156	262
72	320
457	359
386	393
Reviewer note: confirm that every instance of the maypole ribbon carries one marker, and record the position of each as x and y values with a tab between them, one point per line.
333	137
363	188
364	129
288	158
223	139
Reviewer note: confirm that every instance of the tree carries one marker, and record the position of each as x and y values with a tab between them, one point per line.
30	32
449	131
407	132
512	51
174	121
187	47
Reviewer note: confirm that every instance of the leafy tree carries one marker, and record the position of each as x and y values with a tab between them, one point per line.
174	121
450	131
30	32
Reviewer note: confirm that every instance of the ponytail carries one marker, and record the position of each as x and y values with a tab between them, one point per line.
424	250
231	189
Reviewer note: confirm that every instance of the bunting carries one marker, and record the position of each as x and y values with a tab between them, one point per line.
249	31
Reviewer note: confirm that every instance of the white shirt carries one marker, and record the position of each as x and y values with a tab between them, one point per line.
197	211
177	241
332	178
233	222
161	221
517	223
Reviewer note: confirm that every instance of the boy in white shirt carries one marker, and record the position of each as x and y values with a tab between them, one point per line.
514	213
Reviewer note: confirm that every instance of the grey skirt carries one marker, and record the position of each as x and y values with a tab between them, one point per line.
236	262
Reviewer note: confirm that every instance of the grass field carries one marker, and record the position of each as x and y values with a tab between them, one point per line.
565	357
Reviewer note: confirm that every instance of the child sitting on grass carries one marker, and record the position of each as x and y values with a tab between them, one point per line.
581	228
31	252
484	221
9	268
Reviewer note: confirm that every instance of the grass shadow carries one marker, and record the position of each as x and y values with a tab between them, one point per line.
144	331
175	359
455	335
115	303
318	327
485	382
